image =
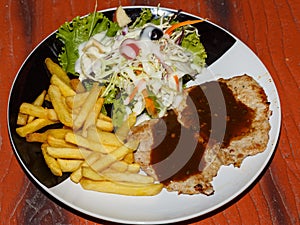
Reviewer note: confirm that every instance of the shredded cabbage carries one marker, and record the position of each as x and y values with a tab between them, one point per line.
142	71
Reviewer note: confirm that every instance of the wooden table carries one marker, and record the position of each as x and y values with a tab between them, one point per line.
270	28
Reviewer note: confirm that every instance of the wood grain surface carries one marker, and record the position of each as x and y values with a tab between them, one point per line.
271	28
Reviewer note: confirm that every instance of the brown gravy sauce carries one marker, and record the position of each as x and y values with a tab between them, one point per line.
212	116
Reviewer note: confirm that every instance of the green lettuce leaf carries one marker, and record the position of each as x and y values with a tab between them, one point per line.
192	43
79	30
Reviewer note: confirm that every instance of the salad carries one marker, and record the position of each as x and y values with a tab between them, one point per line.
144	64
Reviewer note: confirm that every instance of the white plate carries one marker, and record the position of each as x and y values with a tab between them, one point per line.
166	207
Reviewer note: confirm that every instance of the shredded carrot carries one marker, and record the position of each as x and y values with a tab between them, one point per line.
176	81
149	104
139	70
180	24
150	107
134	91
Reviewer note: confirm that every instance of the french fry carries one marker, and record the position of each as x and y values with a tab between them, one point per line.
36	137
108	159
65	153
127	177
123	130
33	126
64	88
92	116
133	168
92	158
54	68
52	115
58	132
77	86
119	166
105	117
58	142
38	101
59	106
103	137
69	165
38	111
74	102
51	162
84	142
92	134
89	173
22	119
104	125
42	137
77	174
87	106
47	98
122	188
129	158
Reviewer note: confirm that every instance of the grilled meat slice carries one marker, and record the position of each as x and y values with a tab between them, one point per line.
218	123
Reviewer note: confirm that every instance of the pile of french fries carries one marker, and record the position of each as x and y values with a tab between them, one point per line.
86	146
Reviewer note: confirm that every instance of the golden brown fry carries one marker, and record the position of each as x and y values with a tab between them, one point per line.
124	129
38	111
89	173
64	88
77	86
129	158
33	126
122	188
69	165
104	125
58	142
77	174
51	162
65	153
59	106
93	157
133	168
87	106
54	68
105	138
92	134
42	137
38	101
58	132
52	115
22	119
47	98
105	117
74	102
119	166
111	175
37	137
92	116
108	159
84	142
